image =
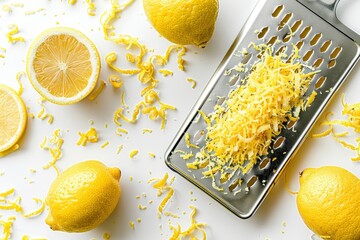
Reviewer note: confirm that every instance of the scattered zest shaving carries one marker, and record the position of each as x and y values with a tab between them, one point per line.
43	113
97	91
14	29
54	147
133	153
255	113
132	224
115	81
166	72
72	1
89	136
152	155
91	8
38	211
188	143
190	232
105	144
146	131
352	112
119	149
192	81
7	225
162	185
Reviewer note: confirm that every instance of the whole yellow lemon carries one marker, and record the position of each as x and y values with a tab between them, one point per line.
83	196
328	202
183	21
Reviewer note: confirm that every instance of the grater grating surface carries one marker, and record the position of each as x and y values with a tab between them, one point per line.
324	44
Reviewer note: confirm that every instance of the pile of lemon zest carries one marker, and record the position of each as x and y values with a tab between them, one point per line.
91	8
119	149
10	150
115	81
120	130
141	207
72	1
14	29
166	72
152	154
105	144
107	18
192	81
7	226
18	79
255	112
94	94
54	147
133	153
90	136
132	224
38	211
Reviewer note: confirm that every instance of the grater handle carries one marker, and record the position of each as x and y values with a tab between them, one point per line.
326	9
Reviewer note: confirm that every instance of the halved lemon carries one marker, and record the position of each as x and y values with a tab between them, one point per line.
63	65
13	117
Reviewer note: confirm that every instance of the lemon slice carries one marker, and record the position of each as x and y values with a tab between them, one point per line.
63	65
13	118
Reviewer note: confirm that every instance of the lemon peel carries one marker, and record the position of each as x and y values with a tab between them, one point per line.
133	153
53	146
42	114
91	7
105	144
96	92
14	29
90	136
38	211
163	185
192	81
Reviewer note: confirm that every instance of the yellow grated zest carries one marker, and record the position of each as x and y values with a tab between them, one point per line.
115	81
152	154
32	12
119	149
94	94
19	5
188	143
53	145
91	7
2	50
162	185
42	114
19	75
7	226
255	112
132	224
6	8
352	112
105	144
192	81
10	150
72	1
170	214
106	236
133	153
166	72
90	136
38	211
14	29
146	131
310	100
141	207
119	131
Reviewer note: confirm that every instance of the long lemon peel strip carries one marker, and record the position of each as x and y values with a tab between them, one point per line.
7	226
53	145
90	136
14	29
162	185
38	211
255	112
97	91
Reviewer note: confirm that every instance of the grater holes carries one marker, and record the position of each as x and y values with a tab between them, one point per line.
199	135
263	32
291	124
220	100
335	53
331	64
264	163
296	26
318	62
284	21
299	44
325	46
281	50
305	32
320	82
287	37
251	183
233	80
279	142
272	41
246	58
315	39
308	55
277	11
224	178
234	185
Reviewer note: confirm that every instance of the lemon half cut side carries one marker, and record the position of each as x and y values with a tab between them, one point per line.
63	65
13	118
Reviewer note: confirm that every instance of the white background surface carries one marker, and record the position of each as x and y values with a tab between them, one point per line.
276	219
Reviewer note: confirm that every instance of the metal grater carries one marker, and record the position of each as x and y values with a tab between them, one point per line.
324	43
